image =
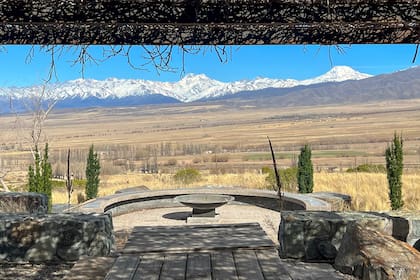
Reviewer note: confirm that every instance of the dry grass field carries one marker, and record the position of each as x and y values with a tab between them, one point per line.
369	191
194	135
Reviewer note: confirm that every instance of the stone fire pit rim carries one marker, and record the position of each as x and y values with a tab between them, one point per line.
198	200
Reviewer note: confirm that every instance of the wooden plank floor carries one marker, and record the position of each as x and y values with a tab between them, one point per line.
196	238
238	264
206	252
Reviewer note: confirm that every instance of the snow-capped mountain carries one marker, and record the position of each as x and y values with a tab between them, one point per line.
190	88
337	74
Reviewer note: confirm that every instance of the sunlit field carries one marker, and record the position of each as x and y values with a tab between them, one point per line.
369	191
226	144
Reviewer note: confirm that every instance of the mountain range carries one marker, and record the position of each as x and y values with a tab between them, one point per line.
341	84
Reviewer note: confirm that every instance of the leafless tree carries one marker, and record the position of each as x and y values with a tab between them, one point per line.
3	174
69	180
142	57
38	106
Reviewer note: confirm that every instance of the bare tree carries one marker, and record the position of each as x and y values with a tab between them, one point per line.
38	107
142	57
3	174
277	176
69	180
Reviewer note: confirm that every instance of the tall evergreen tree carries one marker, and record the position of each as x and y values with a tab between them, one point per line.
93	169
394	168
305	174
37	168
34	174
31	179
39	175
46	176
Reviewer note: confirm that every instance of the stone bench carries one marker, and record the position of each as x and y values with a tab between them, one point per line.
317	235
126	202
54	237
23	202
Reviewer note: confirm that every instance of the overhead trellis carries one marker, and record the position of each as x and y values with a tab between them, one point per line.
209	22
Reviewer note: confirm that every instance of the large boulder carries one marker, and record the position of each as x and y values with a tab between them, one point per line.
23	202
55	237
406	226
317	235
370	254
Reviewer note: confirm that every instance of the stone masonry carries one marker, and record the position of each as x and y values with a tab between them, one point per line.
30	203
317	235
54	237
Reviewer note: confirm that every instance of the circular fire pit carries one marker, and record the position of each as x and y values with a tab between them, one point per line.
204	205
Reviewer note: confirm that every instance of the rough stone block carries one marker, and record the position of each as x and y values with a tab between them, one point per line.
406	226
369	254
25	202
55	237
317	235
338	201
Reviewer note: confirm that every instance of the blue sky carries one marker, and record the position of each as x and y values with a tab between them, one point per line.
245	62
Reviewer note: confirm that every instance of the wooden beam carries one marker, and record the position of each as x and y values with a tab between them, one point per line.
209	22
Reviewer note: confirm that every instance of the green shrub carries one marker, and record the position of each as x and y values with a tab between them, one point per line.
368	168
220	158
267	170
80	198
171	162
288	177
187	176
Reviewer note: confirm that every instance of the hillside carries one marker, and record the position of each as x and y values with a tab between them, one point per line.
399	85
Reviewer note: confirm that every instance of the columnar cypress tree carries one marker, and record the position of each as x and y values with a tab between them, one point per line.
39	175
37	167
46	176
394	169
31	179
305	174
92	174
34	174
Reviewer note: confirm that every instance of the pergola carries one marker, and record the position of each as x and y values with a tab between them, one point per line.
209	22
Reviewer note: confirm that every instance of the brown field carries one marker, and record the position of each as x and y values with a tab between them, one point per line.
227	143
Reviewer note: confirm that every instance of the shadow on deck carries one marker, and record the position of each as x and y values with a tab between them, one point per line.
234	251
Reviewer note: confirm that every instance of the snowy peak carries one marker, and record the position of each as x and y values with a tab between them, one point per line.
191	87
337	74
343	73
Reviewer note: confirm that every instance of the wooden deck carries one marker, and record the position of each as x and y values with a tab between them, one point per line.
196	238
207	252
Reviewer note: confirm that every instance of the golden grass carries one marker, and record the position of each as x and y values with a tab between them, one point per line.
111	184
369	191
365	128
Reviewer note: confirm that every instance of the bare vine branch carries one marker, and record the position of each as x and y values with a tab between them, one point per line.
415	54
83	57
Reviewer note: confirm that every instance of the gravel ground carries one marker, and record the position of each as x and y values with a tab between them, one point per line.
228	214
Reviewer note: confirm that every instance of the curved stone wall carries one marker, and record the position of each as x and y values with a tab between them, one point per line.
121	203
